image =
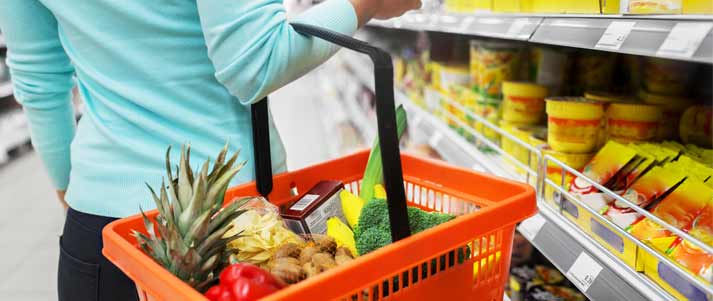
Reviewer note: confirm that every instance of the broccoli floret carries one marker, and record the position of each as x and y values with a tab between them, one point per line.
373	230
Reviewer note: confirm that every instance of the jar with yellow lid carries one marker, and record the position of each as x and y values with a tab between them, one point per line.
523	103
497	62
633	122
667	77
672	108
512	147
538	140
573	124
606	98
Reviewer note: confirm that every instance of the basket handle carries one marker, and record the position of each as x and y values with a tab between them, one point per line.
386	123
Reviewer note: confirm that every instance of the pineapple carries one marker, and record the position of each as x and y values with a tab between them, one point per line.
191	225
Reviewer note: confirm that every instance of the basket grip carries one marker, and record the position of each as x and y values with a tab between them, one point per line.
386	122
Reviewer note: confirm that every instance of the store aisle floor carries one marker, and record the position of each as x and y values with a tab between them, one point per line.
31	219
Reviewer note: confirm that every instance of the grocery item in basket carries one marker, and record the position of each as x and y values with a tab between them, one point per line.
604	166
672	107
373	173
499	62
650	188
523	103
374	231
573	124
594	70
342	234
260	231
667	77
633	122
351	207
549	68
243	282
293	263
696	126
309	214
190	222
695	259
679	209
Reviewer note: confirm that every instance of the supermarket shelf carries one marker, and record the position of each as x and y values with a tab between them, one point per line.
580	31
563	242
5	89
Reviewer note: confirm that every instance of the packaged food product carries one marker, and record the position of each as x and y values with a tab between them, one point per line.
697	7
632	122
489	109
262	233
646	190
469	100
474	63
696	126
667	77
672	108
631	172
606	99
549	67
522	133
679	209
693	168
594	70
696	260
523	103
603	166
498	62
555	172
654	6
573	124
309	214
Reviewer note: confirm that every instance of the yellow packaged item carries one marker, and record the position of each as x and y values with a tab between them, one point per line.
475	65
667	77
498	62
606	99
696	126
522	133
489	109
604	166
549	67
523	103
555	172
654	7
632	122
672	108
697	7
646	190
573	124
512	6
594	70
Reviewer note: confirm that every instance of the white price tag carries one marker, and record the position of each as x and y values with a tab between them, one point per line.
584	271
615	35
684	39
516	28
531	226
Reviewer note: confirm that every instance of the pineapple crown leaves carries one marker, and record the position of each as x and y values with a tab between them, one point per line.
190	222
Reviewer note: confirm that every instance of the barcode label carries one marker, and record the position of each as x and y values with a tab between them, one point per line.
304	202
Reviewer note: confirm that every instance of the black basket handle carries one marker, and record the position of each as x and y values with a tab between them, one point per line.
386	122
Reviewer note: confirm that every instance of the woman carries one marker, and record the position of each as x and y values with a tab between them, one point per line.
152	74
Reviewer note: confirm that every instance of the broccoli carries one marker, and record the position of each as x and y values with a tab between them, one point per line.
373	230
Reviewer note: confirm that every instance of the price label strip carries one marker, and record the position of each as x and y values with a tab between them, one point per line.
515	29
684	39
584	271
531	226
615	35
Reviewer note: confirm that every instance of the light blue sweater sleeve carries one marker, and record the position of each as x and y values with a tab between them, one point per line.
42	76
254	49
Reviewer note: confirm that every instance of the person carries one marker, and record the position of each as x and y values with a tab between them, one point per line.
152	74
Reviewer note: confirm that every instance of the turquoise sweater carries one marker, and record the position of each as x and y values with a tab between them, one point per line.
152	74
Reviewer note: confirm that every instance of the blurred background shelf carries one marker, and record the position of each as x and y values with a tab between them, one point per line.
580	31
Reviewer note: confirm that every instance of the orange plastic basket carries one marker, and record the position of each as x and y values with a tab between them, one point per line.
426	264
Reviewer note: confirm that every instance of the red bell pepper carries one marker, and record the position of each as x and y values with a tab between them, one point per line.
243	282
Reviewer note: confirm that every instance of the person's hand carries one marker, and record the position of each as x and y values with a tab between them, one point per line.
60	196
382	9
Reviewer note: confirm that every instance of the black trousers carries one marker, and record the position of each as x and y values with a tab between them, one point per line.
84	273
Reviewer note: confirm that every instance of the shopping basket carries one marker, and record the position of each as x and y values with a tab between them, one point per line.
467	258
